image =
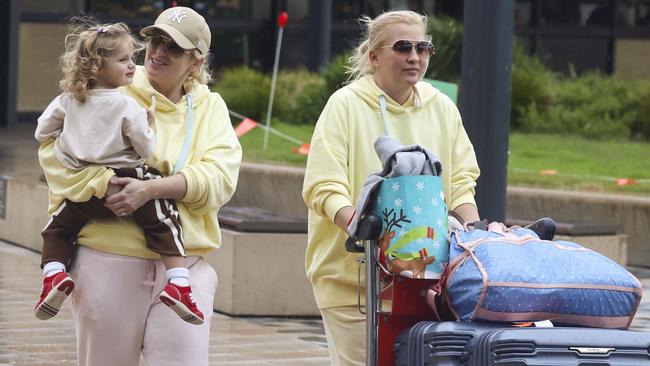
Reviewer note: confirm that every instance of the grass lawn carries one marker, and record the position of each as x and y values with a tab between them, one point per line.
577	163
279	150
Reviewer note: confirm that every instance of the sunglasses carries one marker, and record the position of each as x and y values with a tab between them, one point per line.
157	41
405	47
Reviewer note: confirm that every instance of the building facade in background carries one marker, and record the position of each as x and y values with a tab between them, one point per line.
569	35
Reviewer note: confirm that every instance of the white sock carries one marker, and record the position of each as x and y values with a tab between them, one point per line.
179	276
52	268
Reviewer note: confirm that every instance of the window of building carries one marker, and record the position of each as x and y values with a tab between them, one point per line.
125	9
60	6
220	9
297	10
576	13
633	13
345	9
524	12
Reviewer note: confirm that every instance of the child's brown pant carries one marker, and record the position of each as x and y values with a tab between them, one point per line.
157	218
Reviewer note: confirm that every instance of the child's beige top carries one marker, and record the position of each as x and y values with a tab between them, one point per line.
108	129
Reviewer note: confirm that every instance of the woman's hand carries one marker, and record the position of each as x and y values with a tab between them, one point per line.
132	194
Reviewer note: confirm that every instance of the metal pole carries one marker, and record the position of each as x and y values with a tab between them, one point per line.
281	22
485	96
371	304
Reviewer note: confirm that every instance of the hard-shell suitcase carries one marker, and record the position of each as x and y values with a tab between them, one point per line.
430	343
559	346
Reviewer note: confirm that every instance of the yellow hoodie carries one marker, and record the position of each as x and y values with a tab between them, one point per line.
211	171
342	156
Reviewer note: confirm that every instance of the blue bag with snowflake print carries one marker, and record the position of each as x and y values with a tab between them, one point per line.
414	217
511	275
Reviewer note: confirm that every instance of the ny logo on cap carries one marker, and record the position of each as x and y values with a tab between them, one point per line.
177	16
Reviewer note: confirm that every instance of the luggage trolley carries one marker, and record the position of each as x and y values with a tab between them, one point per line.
406	295
565	345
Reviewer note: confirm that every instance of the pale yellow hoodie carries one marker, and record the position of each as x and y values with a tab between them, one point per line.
211	172
342	156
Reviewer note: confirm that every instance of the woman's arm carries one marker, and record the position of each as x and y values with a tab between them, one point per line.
125	195
468	212
326	188
343	217
206	181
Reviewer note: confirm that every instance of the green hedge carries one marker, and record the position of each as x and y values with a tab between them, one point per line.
246	91
447	37
592	105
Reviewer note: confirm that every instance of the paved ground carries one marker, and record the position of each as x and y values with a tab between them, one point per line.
234	341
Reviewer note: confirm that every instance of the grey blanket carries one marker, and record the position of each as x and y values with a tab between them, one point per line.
397	160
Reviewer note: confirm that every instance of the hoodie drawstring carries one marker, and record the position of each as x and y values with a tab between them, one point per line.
152	107
188	136
382	106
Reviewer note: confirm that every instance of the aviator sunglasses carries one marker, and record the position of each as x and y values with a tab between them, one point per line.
158	40
404	47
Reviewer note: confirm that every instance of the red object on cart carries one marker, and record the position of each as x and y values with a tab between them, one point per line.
408	308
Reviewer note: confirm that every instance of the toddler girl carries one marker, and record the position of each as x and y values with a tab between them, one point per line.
95	124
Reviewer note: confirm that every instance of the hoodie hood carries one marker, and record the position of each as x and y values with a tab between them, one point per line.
142	88
368	91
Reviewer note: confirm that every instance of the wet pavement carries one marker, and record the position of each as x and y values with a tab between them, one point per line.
27	341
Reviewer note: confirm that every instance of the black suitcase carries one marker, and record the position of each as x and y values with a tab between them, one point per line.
437	343
559	346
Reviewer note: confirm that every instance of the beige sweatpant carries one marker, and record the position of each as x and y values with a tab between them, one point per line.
345	328
118	315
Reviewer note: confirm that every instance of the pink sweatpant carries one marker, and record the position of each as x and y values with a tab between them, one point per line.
118	315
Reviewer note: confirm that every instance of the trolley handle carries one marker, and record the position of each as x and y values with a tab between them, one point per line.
369	229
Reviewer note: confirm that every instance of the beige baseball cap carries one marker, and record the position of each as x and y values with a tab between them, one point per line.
185	26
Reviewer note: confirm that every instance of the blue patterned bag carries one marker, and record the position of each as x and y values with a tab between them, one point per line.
513	276
414	217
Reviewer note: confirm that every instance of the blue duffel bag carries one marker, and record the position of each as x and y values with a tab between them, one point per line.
510	275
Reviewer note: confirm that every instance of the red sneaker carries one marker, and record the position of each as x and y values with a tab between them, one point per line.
56	289
181	300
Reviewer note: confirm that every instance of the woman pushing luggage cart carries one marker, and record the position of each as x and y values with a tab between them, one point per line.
386	97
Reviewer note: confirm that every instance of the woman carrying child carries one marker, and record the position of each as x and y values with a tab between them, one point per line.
119	276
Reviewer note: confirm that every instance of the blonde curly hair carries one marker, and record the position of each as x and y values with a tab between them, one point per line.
375	32
86	48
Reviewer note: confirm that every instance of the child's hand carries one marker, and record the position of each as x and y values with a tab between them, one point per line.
112	189
151	119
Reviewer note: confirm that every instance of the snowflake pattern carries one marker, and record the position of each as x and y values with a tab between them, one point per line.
421	201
